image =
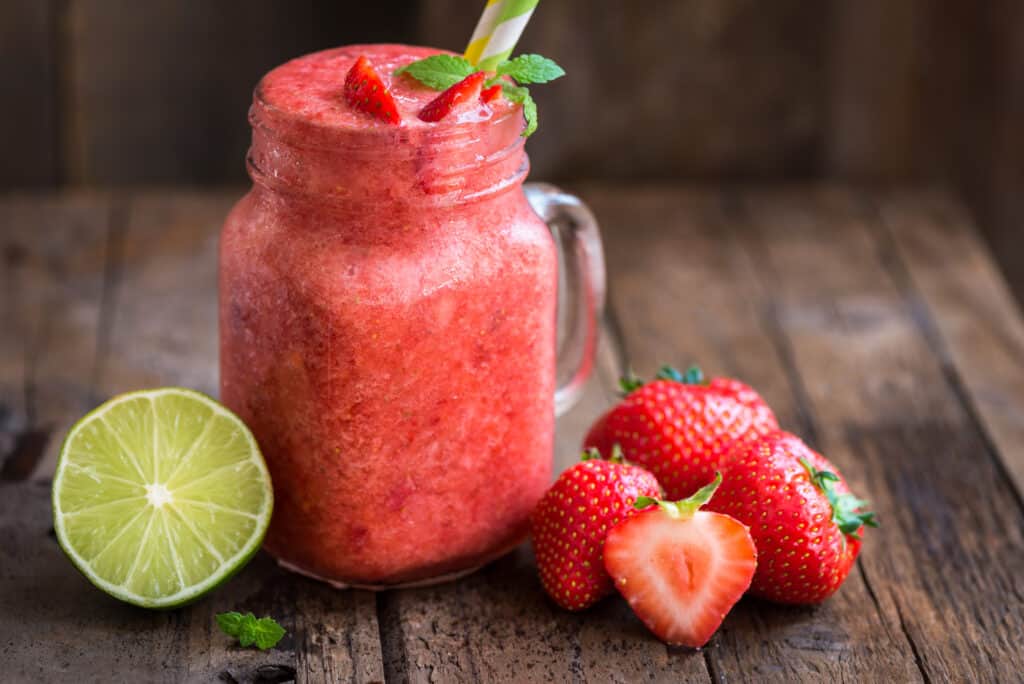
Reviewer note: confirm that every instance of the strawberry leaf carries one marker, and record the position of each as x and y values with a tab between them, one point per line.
629	383
846	508
439	72
685	508
531	69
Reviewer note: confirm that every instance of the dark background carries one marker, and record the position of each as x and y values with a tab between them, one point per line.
101	93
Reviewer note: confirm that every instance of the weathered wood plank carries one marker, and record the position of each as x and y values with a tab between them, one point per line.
28	75
54	626
54	255
687	292
975	320
943	565
498	626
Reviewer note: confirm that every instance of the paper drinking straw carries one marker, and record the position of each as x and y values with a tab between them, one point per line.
498	30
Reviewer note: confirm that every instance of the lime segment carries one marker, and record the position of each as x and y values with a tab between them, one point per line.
160	495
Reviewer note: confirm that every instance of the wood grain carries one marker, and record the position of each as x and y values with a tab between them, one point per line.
952	273
54	257
888	415
28	75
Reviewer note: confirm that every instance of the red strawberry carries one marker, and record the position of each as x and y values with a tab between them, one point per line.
680	568
804	520
465	90
489	94
572	519
365	91
682	428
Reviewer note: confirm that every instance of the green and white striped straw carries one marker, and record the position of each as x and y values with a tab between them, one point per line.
497	32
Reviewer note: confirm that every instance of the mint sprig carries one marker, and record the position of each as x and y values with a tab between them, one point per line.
263	633
441	72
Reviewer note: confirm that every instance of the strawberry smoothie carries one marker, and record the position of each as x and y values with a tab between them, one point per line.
387	322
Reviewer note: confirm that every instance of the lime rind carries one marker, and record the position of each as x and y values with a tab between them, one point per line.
178	578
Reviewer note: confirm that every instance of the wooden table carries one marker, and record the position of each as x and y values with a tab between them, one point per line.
876	325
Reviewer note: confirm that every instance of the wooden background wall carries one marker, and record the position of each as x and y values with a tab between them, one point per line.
110	92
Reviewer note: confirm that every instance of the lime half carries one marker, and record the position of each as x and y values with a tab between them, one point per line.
160	495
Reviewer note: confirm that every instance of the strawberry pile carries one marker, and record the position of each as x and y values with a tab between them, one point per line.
748	508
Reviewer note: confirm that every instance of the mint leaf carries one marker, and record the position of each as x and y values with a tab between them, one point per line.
521	95
230	623
438	71
531	69
263	633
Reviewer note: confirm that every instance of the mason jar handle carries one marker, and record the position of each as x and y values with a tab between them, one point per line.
581	285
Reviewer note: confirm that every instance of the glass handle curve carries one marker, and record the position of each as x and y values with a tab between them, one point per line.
581	286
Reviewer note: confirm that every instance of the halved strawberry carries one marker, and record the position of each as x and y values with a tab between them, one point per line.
680	568
490	94
465	90
365	91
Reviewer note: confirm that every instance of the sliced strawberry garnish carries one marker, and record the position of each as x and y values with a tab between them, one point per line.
365	91
681	569
490	94
465	90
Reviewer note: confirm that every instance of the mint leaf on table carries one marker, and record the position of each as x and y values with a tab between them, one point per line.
531	69
263	633
438	71
230	623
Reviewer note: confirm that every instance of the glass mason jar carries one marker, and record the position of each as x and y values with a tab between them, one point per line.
388	306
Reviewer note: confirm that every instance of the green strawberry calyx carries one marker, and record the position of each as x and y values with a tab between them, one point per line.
846	508
629	382
594	454
684	509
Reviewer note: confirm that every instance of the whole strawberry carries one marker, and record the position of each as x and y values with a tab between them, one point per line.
804	520
682	427
571	521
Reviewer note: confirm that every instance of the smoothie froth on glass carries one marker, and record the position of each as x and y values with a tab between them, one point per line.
388	326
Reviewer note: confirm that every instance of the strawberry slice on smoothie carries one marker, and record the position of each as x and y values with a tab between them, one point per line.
466	90
365	91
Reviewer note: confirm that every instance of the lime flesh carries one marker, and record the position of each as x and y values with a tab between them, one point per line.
160	495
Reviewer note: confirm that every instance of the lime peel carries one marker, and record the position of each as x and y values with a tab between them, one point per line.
160	496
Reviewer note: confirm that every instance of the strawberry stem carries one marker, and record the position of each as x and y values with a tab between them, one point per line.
594	454
685	508
629	383
693	376
845	507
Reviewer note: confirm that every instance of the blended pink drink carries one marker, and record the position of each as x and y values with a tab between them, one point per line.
387	321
